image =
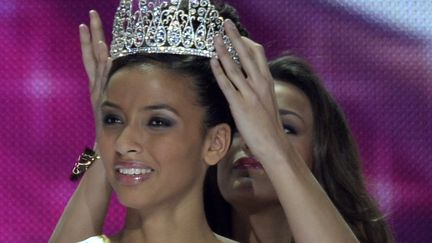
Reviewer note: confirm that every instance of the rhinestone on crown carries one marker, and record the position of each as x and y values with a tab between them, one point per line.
184	27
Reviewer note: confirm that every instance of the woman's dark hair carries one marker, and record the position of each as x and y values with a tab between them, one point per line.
336	163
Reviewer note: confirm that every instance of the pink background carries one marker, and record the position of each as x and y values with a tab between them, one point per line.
380	72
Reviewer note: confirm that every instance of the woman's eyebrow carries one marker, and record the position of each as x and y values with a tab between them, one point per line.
110	104
145	108
288	112
160	107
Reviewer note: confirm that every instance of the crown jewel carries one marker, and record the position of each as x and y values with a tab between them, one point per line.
185	27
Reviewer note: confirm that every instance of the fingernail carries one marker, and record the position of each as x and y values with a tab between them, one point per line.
82	28
230	23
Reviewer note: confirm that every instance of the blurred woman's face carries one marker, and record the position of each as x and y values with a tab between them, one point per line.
151	140
242	179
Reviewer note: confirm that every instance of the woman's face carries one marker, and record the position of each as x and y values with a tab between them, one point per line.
151	140
241	179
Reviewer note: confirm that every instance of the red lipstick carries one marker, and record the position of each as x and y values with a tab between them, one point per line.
245	163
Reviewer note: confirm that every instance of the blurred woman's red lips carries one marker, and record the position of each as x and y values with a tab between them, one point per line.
247	163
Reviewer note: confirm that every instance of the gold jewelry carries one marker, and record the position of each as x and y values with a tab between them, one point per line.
85	160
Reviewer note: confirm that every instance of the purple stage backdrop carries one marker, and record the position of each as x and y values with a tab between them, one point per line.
374	56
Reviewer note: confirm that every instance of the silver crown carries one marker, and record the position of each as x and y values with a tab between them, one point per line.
185	27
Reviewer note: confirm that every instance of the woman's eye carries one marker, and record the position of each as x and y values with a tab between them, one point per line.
159	122
289	129
111	119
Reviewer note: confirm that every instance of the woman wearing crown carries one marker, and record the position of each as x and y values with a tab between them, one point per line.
164	121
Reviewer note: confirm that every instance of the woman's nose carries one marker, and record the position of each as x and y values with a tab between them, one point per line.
128	141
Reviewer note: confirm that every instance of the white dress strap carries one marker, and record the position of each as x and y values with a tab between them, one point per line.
96	239
224	239
104	239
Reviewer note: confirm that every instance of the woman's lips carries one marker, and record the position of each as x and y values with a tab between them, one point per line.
132	173
245	163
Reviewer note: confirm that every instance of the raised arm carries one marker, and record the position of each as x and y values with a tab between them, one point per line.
85	212
249	89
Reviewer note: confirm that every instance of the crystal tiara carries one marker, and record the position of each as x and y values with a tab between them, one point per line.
184	27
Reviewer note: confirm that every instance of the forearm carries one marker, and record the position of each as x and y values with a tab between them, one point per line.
310	213
85	212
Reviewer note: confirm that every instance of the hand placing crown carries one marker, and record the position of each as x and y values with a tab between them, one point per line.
184	27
